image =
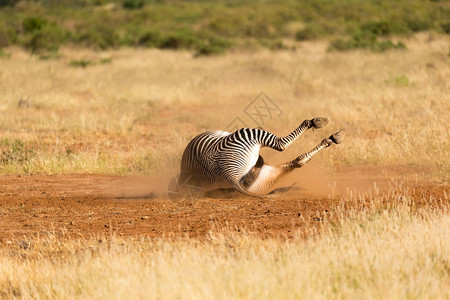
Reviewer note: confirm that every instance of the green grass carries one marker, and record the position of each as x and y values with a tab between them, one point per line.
80	63
401	80
83	63
212	27
364	41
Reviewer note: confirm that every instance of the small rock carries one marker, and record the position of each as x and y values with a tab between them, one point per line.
24	244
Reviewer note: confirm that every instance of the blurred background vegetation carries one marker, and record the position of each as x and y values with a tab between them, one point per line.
209	27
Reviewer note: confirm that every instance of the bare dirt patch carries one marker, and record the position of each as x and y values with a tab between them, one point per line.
99	205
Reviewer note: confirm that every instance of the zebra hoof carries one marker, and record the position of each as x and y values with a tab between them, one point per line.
319	122
338	137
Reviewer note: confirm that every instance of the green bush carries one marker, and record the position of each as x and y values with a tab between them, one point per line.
43	25
133	4
180	39
416	24
8	36
364	40
227	26
80	63
212	45
105	61
150	38
240	25
385	27
273	44
377	28
42	36
33	24
446	27
277	45
381	46
4	3
45	41
98	35
310	32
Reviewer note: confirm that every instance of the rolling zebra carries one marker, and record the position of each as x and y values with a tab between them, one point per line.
220	159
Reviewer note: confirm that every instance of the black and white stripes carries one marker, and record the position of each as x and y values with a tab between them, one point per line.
219	159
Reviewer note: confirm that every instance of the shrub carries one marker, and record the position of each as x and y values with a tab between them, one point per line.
377	28
133	4
98	35
47	40
150	38
446	27
310	32
416	24
277	45
33	24
105	61
4	3
181	39
381	46
8	35
212	45
42	36
80	63
152	23
364	40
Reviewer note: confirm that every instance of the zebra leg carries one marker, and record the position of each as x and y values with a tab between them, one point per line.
261	178
281	143
335	138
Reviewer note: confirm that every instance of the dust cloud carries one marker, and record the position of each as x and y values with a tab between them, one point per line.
314	180
319	181
139	187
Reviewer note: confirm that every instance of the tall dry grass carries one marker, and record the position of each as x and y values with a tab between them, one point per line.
370	253
135	113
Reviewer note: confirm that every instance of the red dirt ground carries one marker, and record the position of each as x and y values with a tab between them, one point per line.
99	205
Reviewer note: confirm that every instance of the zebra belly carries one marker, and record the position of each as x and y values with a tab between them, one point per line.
251	160
267	176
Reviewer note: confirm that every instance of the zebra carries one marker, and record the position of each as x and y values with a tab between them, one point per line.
223	160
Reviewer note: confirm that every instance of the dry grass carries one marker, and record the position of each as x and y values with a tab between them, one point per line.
135	114
371	253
